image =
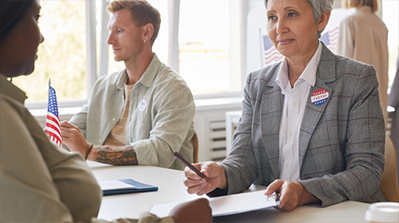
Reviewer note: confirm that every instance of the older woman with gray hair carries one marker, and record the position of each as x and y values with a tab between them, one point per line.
312	127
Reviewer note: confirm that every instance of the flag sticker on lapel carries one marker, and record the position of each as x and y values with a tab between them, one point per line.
142	105
319	97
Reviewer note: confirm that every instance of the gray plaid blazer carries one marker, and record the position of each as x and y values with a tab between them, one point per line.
341	143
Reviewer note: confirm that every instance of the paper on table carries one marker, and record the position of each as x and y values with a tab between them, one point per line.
114	185
239	203
226	205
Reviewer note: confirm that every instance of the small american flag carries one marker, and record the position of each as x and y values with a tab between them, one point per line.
330	39
271	55
52	128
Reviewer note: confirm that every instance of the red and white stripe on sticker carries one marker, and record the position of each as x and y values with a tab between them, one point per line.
319	97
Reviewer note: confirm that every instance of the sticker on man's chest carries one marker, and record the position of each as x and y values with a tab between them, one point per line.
319	97
142	105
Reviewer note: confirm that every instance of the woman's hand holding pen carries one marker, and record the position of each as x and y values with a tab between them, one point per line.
215	178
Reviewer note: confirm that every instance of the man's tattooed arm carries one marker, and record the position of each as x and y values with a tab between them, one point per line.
116	155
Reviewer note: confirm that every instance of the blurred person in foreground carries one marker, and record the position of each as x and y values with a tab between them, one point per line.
363	36
139	115
41	182
311	128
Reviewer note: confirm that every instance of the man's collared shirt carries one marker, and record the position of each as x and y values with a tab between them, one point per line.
160	120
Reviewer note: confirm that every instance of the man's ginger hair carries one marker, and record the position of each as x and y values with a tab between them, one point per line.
141	11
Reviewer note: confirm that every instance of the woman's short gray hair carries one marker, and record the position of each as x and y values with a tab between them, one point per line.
318	7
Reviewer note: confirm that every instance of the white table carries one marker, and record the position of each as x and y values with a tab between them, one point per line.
169	182
349	211
172	189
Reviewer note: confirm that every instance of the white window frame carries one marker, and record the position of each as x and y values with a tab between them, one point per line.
91	67
173	62
173	55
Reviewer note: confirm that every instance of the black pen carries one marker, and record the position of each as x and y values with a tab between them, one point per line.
180	157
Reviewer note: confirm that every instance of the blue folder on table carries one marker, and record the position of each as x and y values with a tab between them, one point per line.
139	187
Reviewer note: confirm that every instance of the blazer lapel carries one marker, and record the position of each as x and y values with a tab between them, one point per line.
325	74
270	111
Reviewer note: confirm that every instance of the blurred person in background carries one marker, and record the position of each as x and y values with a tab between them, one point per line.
394	102
363	36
